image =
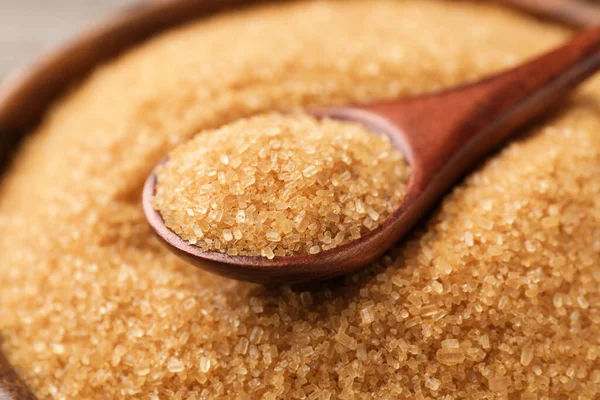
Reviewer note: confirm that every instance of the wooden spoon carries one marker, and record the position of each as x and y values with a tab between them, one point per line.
442	136
26	97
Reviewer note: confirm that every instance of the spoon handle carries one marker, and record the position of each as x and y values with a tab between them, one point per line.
449	131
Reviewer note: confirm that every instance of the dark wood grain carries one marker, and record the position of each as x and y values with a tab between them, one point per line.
25	97
11	387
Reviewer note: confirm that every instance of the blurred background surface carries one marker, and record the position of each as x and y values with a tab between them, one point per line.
28	27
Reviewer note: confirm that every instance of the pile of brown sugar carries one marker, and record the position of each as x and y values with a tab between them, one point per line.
497	296
280	185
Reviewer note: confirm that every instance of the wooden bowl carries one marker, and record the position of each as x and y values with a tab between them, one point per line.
26	95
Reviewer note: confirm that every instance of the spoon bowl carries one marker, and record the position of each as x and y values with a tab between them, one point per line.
289	269
302	267
442	135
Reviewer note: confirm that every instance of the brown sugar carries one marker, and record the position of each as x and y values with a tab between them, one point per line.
280	185
92	306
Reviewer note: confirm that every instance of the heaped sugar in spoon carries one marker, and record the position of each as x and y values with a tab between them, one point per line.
441	136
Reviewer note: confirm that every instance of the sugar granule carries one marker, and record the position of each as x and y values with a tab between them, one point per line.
92	306
289	184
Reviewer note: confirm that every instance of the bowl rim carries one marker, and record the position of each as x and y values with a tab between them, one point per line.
27	93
